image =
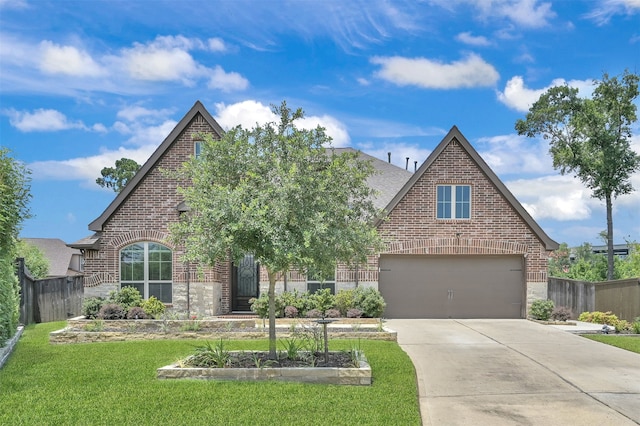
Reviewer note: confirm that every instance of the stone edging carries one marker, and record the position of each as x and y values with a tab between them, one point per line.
358	376
7	349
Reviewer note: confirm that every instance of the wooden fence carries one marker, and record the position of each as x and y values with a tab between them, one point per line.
48	299
621	297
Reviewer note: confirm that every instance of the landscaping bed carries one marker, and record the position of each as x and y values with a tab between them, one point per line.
81	330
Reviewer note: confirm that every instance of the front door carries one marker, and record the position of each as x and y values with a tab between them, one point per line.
244	284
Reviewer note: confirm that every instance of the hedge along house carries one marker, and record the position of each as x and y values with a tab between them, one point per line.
458	243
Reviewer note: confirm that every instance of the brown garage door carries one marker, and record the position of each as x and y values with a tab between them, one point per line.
452	286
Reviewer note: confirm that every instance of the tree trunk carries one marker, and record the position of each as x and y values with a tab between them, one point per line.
272	314
609	237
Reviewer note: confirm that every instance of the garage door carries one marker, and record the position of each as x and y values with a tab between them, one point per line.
452	286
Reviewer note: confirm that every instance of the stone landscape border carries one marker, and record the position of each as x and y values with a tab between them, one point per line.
357	376
10	344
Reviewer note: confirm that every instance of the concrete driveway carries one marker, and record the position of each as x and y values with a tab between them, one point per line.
517	372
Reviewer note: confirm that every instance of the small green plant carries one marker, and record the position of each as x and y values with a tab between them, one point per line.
354	353
541	309
208	355
292	346
261	363
345	301
127	297
153	307
635	326
356	326
192	324
621	325
598	317
96	325
323	300
380	325
91	307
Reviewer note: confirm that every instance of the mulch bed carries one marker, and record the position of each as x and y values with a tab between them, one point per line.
261	360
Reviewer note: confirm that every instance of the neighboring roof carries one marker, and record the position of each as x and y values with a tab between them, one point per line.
454	133
386	181
57	253
197	108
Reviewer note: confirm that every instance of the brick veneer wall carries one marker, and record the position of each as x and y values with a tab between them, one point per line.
145	216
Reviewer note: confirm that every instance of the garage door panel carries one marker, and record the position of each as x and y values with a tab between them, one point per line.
452	286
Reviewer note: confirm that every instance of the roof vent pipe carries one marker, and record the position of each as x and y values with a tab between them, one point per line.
389	155
415	166
406	166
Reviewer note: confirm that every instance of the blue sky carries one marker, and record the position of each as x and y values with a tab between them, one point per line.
83	83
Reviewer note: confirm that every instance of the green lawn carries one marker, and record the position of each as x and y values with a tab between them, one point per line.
629	343
114	383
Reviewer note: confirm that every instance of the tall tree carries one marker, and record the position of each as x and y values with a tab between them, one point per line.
590	138
117	177
274	191
14	200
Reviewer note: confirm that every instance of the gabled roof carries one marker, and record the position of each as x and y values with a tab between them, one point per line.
56	252
387	180
197	108
454	133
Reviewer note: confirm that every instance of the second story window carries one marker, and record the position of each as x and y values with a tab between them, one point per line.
453	202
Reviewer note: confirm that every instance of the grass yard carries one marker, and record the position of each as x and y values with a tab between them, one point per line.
629	343
115	383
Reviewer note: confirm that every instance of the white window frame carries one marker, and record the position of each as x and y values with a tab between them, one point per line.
197	149
146	281
453	203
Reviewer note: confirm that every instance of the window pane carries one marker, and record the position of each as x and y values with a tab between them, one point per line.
154	271
137	286
463	201
443	204
165	271
162	291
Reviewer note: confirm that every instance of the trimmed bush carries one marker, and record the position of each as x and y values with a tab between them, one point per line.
91	307
561	313
354	313
291	312
127	297
314	313
332	313
136	313
598	317
541	309
345	300
111	311
153	307
369	301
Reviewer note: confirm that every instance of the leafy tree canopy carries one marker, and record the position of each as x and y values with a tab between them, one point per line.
117	177
275	191
34	259
590	137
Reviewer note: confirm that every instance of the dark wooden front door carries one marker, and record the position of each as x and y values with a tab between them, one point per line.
245	284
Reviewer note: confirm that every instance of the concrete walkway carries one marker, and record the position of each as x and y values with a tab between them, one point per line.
517	372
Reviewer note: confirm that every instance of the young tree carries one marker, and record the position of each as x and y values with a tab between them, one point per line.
117	177
590	138
34	259
14	199
276	192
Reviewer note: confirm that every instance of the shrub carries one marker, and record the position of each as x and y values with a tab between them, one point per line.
153	307
636	325
354	313
91	307
314	313
598	317
621	325
300	301
323	300
561	313
261	306
345	300
111	311
332	313
541	309
127	297
369	301
290	312
136	313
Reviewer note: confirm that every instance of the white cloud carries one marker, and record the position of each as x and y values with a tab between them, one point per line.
471	71
88	168
363	81
513	154
216	44
606	9
523	13
156	62
248	113
136	112
67	60
554	197
517	96
468	38
13	4
219	79
41	120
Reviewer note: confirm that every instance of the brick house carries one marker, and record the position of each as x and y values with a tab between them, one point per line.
458	242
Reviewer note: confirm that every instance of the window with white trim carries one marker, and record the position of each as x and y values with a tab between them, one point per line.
197	149
453	202
148	267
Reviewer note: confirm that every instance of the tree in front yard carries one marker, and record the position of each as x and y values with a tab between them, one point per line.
276	192
591	138
14	199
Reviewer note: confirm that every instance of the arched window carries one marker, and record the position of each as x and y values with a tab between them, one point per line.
148	267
